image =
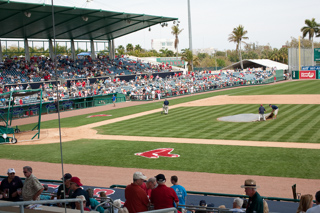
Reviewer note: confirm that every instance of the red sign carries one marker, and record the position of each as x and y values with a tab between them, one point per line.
309	74
164	152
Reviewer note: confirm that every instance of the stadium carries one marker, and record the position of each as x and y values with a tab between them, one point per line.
104	144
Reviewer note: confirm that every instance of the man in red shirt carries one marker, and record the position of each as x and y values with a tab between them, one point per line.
136	198
163	197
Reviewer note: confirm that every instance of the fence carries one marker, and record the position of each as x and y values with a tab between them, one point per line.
25	203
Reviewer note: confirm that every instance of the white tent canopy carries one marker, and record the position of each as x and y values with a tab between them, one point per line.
256	63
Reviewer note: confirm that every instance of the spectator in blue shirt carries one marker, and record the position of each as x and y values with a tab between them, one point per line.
180	191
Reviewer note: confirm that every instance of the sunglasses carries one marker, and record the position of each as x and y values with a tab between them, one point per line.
25	172
11	173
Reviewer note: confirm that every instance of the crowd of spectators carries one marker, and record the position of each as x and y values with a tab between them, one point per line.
144	87
141	195
18	70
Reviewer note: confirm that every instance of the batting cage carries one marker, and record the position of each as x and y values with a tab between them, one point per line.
19	104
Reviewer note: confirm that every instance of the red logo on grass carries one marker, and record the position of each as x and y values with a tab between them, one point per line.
163	152
101	115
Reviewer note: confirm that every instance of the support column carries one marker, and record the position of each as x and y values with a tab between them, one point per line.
113	49
110	48
93	54
51	52
1	55
26	49
73	52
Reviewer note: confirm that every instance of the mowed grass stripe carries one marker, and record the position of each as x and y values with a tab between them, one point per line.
307	128
284	121
278	162
201	122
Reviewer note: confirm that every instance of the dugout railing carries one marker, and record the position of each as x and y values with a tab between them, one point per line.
225	195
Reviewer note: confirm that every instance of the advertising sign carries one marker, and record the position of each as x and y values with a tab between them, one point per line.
316	54
295	74
310	68
310	74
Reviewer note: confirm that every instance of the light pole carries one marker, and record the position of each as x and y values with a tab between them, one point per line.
190	34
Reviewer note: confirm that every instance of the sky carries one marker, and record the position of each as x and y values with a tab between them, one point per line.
268	22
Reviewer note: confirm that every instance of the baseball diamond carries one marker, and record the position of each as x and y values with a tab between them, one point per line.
214	156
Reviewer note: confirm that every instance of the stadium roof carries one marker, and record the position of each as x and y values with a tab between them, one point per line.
26	20
256	63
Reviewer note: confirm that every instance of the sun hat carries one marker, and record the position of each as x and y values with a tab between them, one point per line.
249	183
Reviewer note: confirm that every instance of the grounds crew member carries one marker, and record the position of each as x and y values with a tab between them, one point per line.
261	112
166	106
275	110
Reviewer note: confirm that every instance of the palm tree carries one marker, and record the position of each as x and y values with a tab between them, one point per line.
176	31
237	35
120	50
138	48
312	28
189	57
129	47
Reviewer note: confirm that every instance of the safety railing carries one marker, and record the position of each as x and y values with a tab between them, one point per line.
225	195
21	204
162	210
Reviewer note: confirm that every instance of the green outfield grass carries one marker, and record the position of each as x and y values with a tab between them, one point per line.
295	123
294	87
279	162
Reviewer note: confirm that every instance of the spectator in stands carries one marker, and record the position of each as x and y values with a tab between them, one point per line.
149	185
237	204
163	197
306	202
32	187
10	187
136	198
78	206
180	191
255	203
75	185
93	202
316	208
64	190
45	190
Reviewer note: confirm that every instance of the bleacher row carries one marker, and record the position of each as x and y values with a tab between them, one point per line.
18	71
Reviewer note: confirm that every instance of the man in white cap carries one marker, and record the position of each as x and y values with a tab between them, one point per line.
10	187
255	203
136	198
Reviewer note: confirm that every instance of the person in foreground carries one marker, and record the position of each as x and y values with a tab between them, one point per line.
163	197
136	198
32	187
255	203
306	202
316	208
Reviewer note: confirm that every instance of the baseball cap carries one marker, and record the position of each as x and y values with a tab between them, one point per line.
67	176
139	175
160	177
76	180
202	203
11	170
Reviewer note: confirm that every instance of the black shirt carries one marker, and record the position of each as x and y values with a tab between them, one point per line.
79	192
12	187
166	103
61	194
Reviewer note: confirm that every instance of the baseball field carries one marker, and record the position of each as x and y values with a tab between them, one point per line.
208	155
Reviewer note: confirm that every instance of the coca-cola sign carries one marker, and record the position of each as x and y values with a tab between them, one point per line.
310	74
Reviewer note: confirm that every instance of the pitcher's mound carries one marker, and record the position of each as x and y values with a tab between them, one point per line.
242	118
